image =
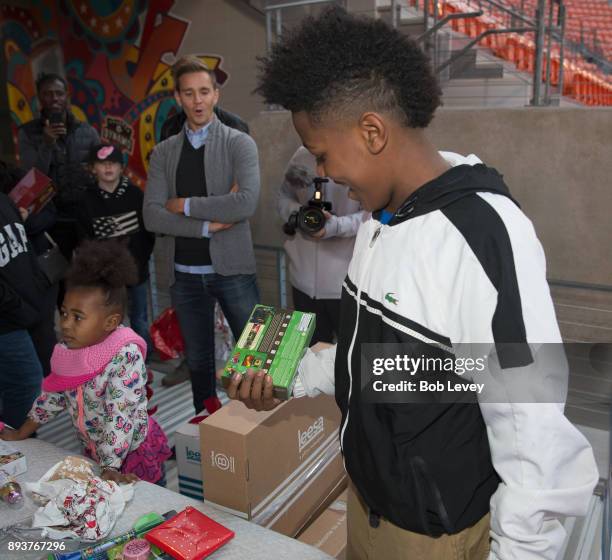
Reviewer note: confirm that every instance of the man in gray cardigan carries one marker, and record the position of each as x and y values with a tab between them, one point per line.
202	188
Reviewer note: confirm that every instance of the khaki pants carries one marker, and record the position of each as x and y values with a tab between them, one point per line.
389	542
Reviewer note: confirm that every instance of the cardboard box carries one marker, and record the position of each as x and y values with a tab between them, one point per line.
12	461
275	468
328	531
188	459
33	191
274	341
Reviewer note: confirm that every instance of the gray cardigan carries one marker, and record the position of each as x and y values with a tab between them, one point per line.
229	157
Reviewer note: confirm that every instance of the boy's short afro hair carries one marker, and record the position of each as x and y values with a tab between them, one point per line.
107	265
342	65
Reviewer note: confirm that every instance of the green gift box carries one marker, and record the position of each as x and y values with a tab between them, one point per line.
273	341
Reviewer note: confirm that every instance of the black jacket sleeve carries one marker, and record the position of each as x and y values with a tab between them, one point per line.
41	222
14	309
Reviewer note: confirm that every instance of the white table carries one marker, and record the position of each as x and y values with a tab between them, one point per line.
251	541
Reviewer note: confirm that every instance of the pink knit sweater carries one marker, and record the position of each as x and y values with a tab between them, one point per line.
71	368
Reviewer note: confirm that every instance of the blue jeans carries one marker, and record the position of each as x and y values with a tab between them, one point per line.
193	297
20	377
139	319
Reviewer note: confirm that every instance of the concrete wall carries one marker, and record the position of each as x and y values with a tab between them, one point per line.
556	162
277	141
236	32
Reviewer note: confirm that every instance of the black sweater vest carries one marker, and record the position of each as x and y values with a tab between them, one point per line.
191	181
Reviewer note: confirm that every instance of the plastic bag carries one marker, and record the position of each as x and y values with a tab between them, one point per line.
166	335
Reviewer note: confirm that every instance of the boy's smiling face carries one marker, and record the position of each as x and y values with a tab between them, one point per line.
349	155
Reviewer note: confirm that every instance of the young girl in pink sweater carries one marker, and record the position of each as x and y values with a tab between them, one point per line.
98	371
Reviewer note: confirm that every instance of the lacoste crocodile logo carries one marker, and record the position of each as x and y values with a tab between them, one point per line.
389	297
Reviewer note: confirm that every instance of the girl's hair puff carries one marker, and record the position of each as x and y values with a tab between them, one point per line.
107	265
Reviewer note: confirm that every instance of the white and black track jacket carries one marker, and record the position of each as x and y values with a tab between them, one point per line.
464	265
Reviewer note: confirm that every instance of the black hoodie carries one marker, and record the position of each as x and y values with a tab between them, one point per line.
117	216
22	283
456	183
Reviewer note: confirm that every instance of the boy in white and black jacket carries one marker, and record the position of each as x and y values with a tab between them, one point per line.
112	209
447	260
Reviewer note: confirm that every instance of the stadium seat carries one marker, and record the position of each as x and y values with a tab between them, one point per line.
590	20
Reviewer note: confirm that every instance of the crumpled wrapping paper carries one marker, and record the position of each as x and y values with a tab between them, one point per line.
84	508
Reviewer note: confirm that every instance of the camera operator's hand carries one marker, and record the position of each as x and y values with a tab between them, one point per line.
215	227
52	131
321	233
255	390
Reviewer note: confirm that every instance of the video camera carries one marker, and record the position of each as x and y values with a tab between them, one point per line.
310	218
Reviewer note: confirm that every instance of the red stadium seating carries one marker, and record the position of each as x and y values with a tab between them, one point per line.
586	19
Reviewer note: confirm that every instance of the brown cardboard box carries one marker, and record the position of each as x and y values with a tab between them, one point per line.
276	468
328	531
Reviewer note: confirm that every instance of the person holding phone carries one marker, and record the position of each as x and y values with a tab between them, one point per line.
58	144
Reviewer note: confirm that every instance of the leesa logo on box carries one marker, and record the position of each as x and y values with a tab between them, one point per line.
307	436
222	462
192	455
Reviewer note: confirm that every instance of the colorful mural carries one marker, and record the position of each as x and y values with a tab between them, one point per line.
112	54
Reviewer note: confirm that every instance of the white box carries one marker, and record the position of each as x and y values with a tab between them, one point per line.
12	461
188	460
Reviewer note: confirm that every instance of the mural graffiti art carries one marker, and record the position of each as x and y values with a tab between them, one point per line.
111	54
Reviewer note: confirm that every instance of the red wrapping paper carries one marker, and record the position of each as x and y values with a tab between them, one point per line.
33	191
189	535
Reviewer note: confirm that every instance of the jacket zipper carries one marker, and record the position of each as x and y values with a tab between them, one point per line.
352	345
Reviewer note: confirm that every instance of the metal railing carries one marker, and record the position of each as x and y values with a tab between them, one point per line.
543	26
274	16
548	26
606	529
579	285
281	270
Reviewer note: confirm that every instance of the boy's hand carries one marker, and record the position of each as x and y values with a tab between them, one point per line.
255	390
8	434
119	478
